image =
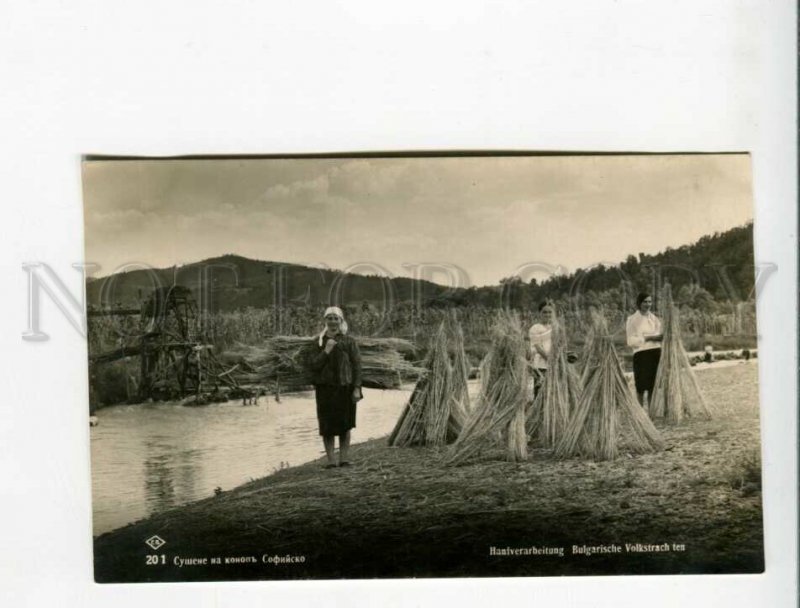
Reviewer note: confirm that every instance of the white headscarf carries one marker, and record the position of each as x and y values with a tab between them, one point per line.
333	310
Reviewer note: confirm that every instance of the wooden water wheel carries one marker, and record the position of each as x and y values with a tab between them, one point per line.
174	358
170	348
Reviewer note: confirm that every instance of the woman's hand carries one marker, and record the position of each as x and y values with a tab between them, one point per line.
357	395
329	346
541	351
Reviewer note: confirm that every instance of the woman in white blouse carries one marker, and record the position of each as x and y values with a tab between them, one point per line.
540	338
643	330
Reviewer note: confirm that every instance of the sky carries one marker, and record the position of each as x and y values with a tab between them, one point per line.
491	217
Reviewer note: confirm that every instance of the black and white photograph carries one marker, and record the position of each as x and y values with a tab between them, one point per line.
399	304
422	366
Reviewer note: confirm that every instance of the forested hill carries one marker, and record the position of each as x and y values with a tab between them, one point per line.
232	282
717	267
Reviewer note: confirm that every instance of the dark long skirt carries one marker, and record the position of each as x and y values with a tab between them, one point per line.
645	366
336	409
538	375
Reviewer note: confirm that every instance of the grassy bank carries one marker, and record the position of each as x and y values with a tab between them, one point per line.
400	512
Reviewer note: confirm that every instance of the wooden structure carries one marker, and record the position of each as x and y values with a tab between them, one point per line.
170	352
174	359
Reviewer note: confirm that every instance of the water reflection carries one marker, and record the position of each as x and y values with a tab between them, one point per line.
159	485
170	474
148	458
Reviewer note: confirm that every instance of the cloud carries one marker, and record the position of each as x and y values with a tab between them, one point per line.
486	215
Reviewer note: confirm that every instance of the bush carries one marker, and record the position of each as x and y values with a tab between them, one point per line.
108	383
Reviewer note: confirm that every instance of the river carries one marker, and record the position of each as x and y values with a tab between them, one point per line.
150	457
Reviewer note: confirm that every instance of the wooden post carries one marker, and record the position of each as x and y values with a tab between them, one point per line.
199	374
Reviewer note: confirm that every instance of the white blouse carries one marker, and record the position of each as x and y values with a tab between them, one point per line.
541	335
640	326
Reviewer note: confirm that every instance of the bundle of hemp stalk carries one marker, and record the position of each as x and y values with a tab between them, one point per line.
497	420
676	392
282	360
461	367
435	411
549	413
607	418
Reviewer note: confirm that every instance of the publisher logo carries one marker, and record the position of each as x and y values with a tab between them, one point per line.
155	542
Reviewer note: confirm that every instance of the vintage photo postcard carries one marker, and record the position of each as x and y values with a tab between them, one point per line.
422	366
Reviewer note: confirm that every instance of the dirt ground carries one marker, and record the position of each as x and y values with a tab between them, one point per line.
693	508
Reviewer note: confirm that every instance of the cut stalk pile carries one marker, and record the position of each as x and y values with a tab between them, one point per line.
460	393
498	418
550	412
676	392
432	416
607	418
282	360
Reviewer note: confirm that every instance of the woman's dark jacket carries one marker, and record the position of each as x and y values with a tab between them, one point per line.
341	367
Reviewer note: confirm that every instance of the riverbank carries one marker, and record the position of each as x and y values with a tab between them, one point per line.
694	508
148	458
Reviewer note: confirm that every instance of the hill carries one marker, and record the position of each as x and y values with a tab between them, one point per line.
718	267
232	282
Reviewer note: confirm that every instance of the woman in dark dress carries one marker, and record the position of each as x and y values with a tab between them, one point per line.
643	331
336	364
